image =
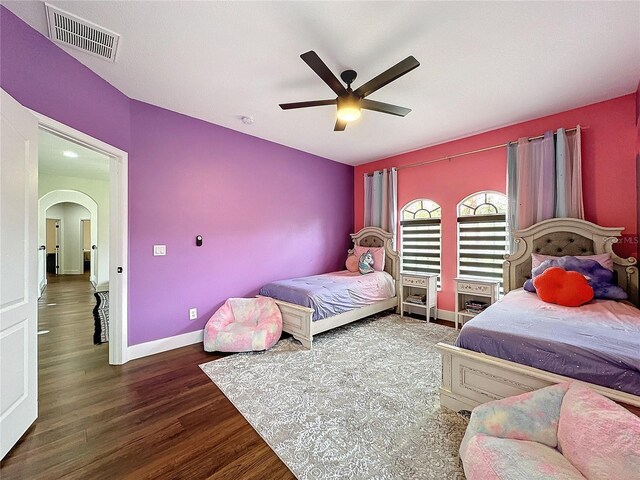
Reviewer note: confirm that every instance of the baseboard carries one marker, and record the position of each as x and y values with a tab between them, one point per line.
446	315
101	287
72	272
164	344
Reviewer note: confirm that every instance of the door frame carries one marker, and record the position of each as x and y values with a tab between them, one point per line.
118	232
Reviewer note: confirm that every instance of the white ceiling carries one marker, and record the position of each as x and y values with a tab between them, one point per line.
483	64
51	161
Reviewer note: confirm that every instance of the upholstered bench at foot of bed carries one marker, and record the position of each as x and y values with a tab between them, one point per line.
242	325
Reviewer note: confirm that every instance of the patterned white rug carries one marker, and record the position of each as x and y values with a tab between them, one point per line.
363	404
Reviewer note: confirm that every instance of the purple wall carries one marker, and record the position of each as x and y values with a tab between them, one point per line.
44	78
265	211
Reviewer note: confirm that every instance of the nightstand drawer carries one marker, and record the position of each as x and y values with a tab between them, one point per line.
474	288
414	281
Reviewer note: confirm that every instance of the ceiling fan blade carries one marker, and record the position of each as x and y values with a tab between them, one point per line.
312	103
312	59
388	76
383	107
340	126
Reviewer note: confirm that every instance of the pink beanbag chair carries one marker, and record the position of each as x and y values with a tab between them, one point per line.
243	325
564	431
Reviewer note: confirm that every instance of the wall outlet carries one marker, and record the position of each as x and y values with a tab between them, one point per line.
159	250
193	314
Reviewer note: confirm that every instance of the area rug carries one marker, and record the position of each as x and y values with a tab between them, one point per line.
101	318
363	404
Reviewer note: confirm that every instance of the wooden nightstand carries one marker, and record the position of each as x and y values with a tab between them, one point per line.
419	284
467	289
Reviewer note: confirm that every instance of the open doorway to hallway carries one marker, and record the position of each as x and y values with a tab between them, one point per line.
73	191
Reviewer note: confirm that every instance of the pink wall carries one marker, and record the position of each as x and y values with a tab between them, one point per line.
266	211
609	174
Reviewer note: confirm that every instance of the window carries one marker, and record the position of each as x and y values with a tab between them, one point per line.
482	235
420	237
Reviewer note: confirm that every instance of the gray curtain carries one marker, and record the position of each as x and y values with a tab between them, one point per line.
381	201
512	193
568	175
544	180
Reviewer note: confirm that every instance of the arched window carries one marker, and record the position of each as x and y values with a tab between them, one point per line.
420	237
482	235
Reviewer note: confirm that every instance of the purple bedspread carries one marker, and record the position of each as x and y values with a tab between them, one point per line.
598	342
333	293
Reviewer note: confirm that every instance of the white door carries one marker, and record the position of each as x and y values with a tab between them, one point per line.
18	271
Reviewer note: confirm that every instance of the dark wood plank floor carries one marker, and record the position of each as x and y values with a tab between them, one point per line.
156	417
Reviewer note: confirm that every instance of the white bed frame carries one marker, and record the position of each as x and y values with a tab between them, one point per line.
297	320
470	378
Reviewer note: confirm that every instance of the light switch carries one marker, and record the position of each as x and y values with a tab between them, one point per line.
159	250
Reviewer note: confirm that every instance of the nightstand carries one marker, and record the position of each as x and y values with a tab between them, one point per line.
423	285
469	289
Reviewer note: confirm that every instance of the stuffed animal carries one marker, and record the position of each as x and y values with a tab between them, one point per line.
365	264
598	277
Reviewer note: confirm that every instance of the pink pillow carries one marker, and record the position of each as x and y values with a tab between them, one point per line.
378	255
599	437
603	259
352	263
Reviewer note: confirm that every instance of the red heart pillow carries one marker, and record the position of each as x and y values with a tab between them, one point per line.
558	286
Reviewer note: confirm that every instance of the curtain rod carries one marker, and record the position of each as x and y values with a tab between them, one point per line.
449	157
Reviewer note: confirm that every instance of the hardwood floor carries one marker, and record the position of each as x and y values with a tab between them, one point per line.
156	417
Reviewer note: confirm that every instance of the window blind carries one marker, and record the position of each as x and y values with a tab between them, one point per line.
421	246
482	245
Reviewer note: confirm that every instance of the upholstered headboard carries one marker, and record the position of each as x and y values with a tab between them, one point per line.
567	236
376	237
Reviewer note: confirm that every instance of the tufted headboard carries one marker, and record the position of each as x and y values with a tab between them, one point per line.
567	236
377	237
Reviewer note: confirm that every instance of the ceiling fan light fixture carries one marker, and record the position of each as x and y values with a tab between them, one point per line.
348	109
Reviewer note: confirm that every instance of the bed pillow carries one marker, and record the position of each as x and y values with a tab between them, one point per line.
598	277
603	259
365	263
561	287
352	263
377	252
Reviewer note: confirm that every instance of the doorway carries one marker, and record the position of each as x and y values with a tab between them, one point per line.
52	247
24	254
108	226
86	246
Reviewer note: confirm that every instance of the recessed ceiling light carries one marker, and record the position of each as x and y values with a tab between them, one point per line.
70	154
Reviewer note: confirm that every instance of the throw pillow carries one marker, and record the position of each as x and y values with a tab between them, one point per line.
352	263
598	277
377	252
558	286
365	264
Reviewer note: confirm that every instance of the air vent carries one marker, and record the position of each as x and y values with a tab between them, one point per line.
70	30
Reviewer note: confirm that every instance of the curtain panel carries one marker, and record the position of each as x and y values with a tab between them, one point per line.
381	200
544	179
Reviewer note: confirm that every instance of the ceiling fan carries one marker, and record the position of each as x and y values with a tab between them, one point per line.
349	101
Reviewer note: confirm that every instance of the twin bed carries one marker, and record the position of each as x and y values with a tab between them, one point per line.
521	343
312	305
518	344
